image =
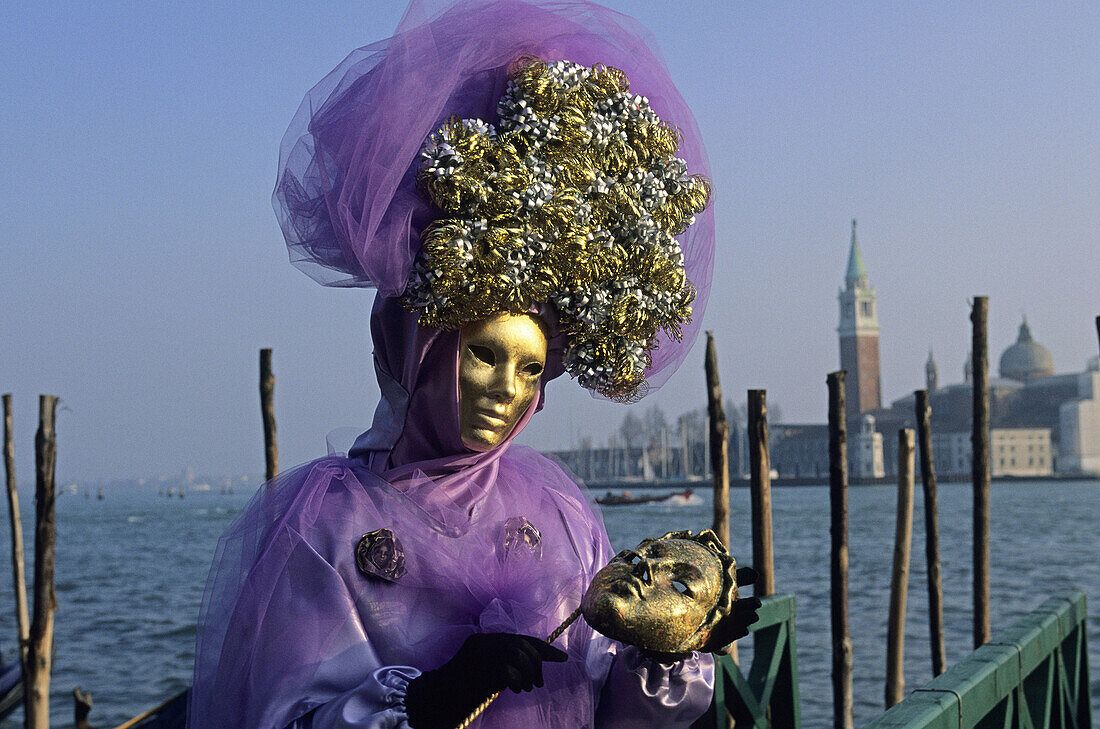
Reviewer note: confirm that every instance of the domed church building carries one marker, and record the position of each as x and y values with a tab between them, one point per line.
1026	360
1041	423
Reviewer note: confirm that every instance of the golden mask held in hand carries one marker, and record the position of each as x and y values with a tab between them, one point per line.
500	365
669	596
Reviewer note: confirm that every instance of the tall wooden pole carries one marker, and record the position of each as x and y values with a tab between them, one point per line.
931	534
19	579
979	440
719	445
36	692
899	578
761	493
1098	328
719	452
267	409
838	510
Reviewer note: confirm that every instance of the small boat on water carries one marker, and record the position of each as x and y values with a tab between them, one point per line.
170	714
684	498
625	497
11	688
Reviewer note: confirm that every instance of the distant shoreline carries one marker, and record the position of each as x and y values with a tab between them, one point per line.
681	484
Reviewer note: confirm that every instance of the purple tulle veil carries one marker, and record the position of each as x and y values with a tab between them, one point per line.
345	197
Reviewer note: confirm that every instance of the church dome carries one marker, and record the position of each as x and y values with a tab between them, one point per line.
1026	359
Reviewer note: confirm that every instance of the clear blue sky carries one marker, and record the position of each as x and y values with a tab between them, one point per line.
142	268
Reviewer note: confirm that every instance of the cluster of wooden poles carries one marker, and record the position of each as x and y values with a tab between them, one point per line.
35	631
760	496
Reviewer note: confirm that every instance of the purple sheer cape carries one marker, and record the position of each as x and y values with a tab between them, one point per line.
293	633
345	196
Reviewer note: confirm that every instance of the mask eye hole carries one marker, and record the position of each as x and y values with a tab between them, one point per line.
534	369
482	353
681	588
633	559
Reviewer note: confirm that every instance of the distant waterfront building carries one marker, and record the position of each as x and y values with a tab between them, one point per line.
865	450
1020	452
950	453
858	332
799	451
1016	452
1047	423
802	451
1080	426
1041	423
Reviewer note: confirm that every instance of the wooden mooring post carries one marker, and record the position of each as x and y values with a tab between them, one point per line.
267	410
719	445
838	572
719	451
931	534
980	467
36	682
760	483
899	577
19	578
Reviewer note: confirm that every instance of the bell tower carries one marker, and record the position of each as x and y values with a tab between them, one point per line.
858	333
931	373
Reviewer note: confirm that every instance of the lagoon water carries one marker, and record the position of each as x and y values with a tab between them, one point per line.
131	570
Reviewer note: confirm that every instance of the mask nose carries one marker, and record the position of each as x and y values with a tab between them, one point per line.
504	385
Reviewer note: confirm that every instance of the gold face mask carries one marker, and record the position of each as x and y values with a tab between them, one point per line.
666	595
500	364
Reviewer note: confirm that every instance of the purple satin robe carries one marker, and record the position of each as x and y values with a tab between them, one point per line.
313	641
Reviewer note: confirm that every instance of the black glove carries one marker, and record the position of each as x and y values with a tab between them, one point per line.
485	664
736	624
745	608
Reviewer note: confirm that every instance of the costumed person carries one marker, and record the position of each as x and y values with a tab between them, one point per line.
525	188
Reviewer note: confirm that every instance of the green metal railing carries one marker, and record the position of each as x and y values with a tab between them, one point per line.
1032	676
768	696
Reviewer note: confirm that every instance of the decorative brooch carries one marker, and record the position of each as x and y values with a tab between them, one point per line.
522	537
380	554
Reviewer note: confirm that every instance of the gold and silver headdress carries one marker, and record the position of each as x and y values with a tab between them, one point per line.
575	199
